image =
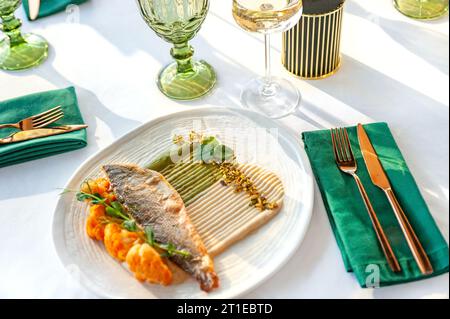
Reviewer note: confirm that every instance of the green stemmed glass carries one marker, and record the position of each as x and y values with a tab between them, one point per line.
422	9
18	51
177	22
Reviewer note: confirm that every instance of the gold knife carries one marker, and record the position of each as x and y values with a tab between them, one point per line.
34	8
380	179
41	132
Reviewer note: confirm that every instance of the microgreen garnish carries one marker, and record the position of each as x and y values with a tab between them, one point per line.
96	198
206	149
130	225
150	235
170	249
114	209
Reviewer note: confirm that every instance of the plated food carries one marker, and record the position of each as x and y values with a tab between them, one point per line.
246	251
142	219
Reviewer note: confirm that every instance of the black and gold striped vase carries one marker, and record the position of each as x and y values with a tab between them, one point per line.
311	50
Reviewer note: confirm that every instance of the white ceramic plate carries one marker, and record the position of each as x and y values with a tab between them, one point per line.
245	265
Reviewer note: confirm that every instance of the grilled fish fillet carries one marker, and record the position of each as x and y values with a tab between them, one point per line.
152	201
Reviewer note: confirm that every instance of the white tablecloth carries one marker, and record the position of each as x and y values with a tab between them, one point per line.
394	69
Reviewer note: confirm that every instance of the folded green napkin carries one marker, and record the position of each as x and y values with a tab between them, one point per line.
350	221
14	110
49	7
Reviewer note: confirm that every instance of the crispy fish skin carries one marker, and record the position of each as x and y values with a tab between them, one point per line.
152	201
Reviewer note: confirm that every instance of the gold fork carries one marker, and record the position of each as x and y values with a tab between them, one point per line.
346	162
38	121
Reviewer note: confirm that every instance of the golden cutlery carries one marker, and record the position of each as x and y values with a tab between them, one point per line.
37	121
380	179
34	8
346	162
38	133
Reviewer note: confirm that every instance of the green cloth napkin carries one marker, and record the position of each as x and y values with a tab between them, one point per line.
49	7
14	110
349	218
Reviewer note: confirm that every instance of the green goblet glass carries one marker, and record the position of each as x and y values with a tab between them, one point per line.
422	9
177	22
18	51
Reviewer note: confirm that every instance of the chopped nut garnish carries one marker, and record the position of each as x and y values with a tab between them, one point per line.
233	176
178	139
195	137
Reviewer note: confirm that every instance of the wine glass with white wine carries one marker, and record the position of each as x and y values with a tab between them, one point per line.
272	96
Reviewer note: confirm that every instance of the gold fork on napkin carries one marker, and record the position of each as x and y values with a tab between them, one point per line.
346	162
37	121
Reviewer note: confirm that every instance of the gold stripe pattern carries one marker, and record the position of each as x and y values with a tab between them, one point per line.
311	50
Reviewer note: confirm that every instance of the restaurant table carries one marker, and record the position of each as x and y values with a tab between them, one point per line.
394	69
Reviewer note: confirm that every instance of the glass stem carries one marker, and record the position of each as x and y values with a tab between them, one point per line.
183	53
11	27
268	88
